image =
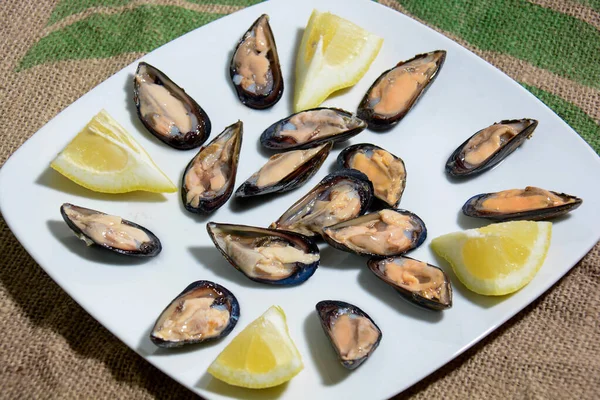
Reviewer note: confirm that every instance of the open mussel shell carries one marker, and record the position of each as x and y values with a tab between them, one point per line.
310	128
285	171
397	90
385	170
254	68
110	232
167	111
352	333
382	233
340	196
204	311
489	146
420	283
266	255
531	203
209	177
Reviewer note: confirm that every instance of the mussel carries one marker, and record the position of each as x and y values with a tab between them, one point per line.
167	111
352	333
285	171
254	67
489	146
110	232
209	177
397	90
531	204
310	128
384	170
382	233
204	311
266	255
340	196
420	283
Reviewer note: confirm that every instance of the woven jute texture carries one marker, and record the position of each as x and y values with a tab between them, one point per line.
51	348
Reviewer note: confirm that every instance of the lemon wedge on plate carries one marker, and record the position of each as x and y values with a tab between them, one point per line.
262	355
334	54
104	157
497	259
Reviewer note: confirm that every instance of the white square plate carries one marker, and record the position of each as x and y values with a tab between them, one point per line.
127	296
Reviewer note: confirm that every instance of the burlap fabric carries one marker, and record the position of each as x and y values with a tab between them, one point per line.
54	52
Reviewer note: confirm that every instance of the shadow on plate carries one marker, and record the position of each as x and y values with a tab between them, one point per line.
291	83
333	258
54	180
244	204
387	294
66	237
207	382
322	353
466	222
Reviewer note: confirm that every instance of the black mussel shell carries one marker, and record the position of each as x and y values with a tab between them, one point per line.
292	180
344	160
417	236
149	248
201	125
208	204
329	310
458	167
383	122
262	236
359	182
443	300
199	289
268	97
473	208
271	138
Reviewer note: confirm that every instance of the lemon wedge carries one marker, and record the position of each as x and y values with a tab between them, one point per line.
104	157
262	355
497	259
334	54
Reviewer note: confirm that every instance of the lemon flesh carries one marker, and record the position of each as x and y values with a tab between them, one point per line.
334	54
497	259
262	355
104	157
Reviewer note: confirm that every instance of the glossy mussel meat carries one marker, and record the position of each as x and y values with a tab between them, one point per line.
167	111
310	128
266	255
382	233
340	196
209	177
254	68
352	333
285	171
397	90
110	232
489	146
531	204
204	311
420	283
385	170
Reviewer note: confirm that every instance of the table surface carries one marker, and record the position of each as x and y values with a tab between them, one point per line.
56	51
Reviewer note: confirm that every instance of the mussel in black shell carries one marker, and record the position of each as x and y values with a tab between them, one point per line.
420	283
209	178
110	232
285	171
382	233
310	128
266	255
489	146
397	90
531	203
385	170
204	311
340	196
352	333
254	68
167	111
